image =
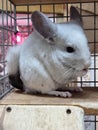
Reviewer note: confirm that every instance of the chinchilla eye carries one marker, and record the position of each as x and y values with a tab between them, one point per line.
70	49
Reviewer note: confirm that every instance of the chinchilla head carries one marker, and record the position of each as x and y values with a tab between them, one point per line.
69	46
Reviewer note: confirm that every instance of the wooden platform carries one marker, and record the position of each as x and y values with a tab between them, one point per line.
23	2
88	100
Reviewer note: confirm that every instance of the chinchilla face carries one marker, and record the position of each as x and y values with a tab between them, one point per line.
72	48
69	55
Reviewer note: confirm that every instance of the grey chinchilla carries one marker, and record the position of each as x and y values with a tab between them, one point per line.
51	56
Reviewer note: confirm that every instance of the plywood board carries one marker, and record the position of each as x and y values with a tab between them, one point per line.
59	8
88	100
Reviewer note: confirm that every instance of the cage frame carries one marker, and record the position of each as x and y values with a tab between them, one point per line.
88	109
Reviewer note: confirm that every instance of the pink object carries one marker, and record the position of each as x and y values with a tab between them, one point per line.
17	38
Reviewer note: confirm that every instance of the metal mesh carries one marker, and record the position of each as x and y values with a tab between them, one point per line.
18	18
6	31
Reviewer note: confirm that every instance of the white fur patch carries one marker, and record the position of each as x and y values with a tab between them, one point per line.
12	59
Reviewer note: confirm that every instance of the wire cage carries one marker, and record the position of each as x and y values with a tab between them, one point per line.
15	26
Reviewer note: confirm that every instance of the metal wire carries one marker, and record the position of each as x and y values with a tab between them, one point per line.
6	31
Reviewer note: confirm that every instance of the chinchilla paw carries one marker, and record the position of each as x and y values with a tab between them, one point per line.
60	94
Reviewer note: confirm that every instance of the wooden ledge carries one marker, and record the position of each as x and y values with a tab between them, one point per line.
26	2
88	100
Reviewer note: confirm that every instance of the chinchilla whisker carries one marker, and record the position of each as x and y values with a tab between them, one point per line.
66	73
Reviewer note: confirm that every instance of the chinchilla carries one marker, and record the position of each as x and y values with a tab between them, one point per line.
52	55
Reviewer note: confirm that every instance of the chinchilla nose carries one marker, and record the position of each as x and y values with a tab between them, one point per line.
87	65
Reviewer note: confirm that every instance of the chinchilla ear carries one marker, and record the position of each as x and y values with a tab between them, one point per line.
43	25
75	16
